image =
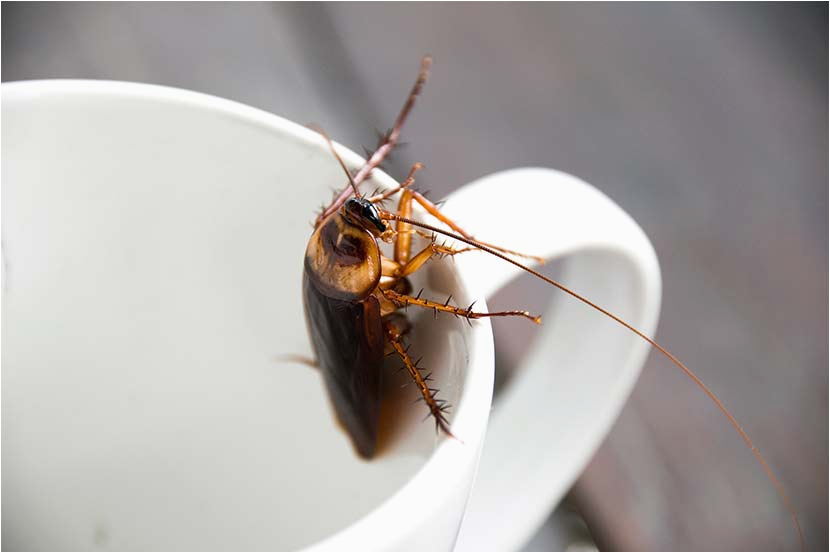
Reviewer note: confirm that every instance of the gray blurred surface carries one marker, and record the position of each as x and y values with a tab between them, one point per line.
706	122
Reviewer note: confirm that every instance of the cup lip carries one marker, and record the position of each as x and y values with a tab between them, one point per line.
436	482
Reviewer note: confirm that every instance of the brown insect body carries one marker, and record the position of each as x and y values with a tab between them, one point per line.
351	317
342	269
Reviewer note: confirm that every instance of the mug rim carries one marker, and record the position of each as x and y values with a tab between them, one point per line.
433	483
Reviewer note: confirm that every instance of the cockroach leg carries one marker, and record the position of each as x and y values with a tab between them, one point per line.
403	241
387	145
389	267
403	300
417	261
441	249
437	407
425	255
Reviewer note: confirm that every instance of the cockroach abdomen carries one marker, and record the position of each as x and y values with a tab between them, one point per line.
347	338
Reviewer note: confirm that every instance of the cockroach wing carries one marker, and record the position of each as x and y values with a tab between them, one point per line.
347	337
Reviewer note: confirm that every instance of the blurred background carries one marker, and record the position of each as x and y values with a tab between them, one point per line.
708	123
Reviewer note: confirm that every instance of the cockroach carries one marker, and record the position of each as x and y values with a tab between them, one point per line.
353	296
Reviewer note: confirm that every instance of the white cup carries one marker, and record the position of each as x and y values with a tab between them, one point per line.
152	253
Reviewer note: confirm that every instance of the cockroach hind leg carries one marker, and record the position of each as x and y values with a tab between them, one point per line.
437	408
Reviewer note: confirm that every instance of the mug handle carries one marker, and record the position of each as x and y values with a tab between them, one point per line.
575	378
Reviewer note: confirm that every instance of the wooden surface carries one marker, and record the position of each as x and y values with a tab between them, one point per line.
706	122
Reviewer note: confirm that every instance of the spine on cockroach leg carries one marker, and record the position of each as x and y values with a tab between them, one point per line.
437	407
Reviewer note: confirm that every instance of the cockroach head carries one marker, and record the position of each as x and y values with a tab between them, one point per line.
363	213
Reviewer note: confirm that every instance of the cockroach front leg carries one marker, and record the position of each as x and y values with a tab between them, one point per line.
420	258
425	255
437	407
403	300
394	269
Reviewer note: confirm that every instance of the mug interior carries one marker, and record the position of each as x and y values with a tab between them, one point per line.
152	253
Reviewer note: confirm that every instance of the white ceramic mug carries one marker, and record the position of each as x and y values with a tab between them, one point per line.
152	255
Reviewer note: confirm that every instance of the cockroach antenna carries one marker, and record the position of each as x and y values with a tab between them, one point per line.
323	133
386	215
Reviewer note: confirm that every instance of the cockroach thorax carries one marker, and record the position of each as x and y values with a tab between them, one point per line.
342	259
